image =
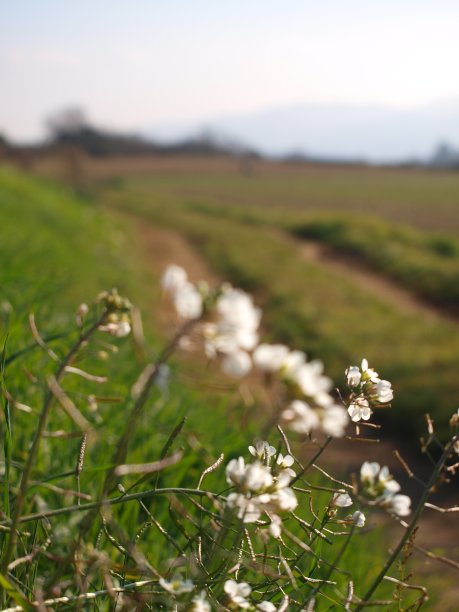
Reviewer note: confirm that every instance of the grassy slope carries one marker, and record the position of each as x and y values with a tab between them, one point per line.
306	306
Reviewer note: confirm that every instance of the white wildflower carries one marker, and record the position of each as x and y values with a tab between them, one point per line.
292	363
265	606
177	586
237	593
334	421
275	527
353	376
379	485
359	409
382	391
341	500
270	357
199	603
119	329
398	504
368	373
283	500
285	462
82	311
358	518
300	417
188	302
369	471
253	477
236	364
262	450
173	279
249	509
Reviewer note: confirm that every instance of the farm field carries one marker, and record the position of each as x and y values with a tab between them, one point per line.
248	228
212	219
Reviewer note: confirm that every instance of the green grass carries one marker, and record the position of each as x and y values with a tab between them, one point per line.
427	264
61	250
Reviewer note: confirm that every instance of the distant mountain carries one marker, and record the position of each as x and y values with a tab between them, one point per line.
375	133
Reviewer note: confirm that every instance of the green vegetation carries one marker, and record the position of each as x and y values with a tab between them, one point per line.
428	264
307	305
61	250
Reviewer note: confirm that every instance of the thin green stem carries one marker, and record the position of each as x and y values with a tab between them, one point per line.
110	502
134	415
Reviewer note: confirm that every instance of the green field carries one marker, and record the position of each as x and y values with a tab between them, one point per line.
62	248
244	227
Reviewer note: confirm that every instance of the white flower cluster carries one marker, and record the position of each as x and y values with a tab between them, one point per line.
234	333
261	488
312	406
382	489
186	297
117	309
367	391
231	328
344	500
238	593
179	588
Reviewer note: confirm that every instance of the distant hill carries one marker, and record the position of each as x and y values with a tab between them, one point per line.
336	131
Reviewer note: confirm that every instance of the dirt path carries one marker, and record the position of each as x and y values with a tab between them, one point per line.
164	247
371	282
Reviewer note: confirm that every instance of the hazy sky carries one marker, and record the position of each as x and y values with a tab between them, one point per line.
136	63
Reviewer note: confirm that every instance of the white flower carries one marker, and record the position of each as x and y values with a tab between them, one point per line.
262	450
369	471
300	417
82	311
379	484
270	357
119	329
188	301
341	500
257	477
368	373
275	528
398	504
177	586
358	518
283	500
237	592
385	478
353	376
235	471
359	409
249	509
173	279
238	318
265	606
236	364
199	603
292	362
285	462
335	421
378	479
254	477
382	389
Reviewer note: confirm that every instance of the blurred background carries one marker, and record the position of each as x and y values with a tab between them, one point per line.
307	152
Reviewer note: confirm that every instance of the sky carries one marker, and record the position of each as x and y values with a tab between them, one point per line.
139	63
